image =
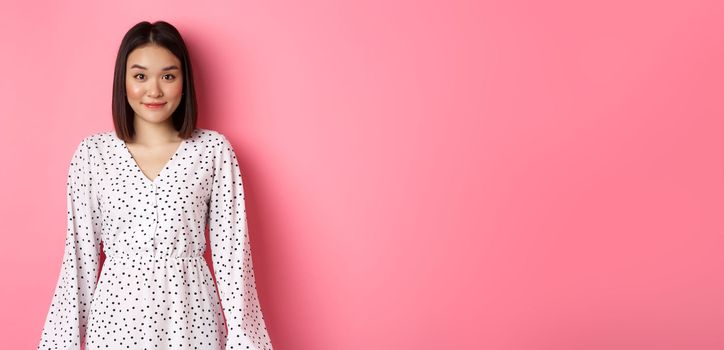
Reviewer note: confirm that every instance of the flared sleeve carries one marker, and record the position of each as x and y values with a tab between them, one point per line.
66	321
231	254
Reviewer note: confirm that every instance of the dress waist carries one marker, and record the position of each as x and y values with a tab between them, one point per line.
153	257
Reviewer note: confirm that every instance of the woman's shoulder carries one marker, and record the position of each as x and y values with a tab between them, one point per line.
94	139
208	134
213	137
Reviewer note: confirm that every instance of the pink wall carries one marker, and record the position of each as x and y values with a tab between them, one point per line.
420	175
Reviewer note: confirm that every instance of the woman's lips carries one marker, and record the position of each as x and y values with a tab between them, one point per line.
154	105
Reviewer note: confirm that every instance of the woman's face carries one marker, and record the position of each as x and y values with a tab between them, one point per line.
153	76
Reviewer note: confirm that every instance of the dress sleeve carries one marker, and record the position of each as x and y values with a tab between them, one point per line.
231	255
66	321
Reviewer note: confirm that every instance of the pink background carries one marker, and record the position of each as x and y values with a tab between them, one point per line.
419	175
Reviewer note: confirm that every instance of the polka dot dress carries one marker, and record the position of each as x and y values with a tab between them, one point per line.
155	289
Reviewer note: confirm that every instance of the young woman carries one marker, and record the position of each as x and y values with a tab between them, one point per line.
145	193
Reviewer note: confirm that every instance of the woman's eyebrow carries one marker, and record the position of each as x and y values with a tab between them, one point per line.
164	68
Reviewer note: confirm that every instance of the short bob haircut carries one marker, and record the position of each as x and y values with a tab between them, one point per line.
165	35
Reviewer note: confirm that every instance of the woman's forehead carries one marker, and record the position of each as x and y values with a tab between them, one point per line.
152	57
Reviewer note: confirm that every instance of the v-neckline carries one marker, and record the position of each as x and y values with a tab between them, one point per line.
138	170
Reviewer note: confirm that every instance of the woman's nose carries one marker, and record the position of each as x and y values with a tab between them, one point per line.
154	90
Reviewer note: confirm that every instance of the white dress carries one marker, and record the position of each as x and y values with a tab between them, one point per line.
155	289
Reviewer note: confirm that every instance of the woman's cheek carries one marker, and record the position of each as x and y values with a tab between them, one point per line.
134	90
178	88
131	91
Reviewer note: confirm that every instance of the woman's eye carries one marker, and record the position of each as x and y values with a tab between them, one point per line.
167	76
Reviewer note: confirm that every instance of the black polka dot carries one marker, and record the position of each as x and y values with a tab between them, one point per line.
155	289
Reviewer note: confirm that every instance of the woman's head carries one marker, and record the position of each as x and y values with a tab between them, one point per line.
153	65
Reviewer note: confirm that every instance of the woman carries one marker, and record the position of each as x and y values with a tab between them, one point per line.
145	193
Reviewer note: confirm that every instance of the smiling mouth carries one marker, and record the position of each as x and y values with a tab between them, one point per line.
154	105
